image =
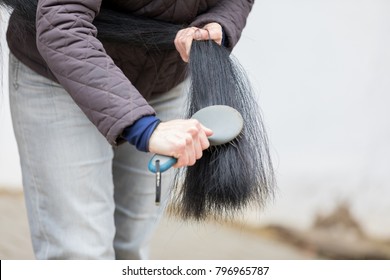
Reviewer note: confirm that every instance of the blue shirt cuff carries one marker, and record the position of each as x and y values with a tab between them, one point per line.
139	133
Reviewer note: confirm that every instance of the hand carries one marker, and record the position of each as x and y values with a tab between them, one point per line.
182	139
184	37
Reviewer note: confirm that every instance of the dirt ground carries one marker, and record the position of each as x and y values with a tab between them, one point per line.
331	238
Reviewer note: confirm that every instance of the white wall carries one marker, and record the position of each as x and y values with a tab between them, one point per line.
322	70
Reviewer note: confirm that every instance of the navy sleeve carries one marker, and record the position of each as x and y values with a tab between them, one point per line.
139	133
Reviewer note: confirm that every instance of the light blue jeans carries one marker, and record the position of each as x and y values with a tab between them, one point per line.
85	199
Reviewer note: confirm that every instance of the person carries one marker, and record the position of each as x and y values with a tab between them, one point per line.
86	113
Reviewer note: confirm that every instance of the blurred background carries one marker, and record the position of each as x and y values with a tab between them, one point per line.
322	73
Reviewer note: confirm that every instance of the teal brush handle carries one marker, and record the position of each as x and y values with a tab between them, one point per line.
166	162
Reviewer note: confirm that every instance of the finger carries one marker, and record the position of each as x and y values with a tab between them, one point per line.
207	130
186	156
181	161
191	155
198	34
215	32
200	137
183	42
179	39
202	141
201	35
180	44
198	149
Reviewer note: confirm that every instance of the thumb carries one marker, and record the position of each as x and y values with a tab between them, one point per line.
207	131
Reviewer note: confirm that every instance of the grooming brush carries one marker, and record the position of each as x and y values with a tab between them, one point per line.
226	124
